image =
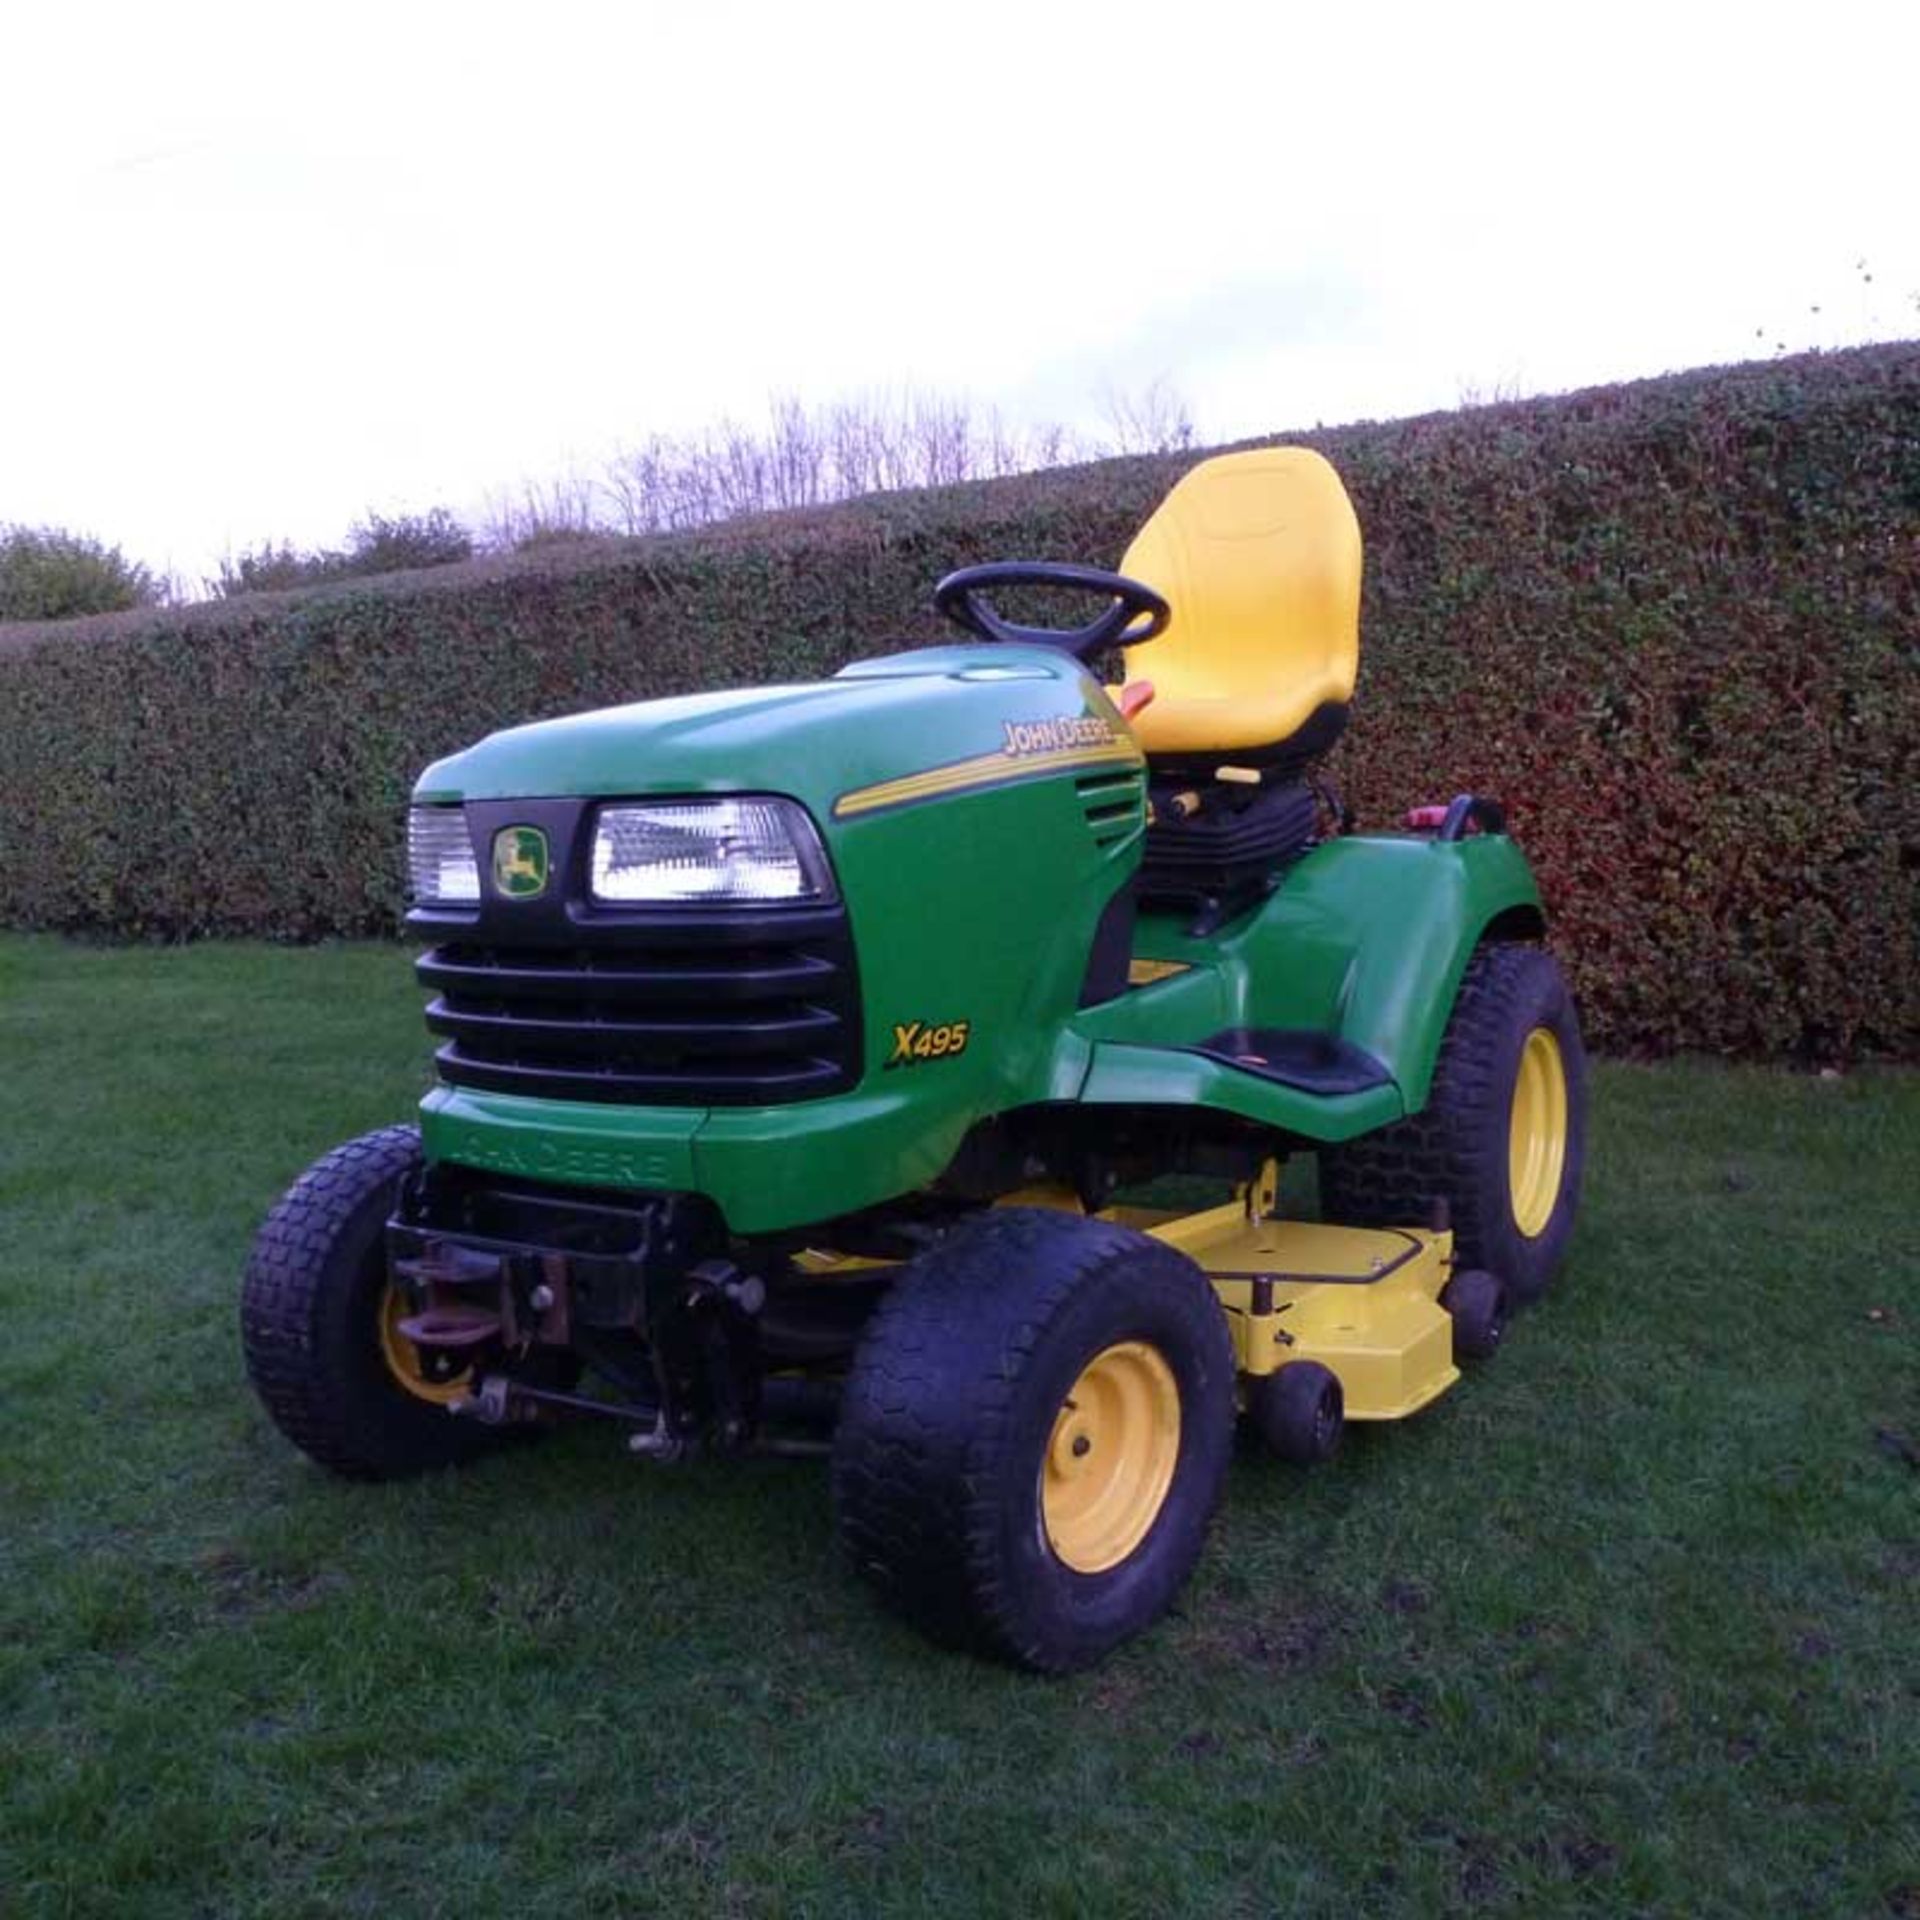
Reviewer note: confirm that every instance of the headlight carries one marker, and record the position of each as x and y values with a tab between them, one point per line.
440	862
738	850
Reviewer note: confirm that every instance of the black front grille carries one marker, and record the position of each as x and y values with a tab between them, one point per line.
751	1011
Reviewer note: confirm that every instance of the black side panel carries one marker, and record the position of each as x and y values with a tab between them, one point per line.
1112	950
1312	1062
1233	844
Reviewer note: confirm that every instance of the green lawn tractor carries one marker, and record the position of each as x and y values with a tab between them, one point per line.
808	1054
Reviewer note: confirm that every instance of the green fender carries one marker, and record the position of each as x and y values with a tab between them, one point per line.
1365	941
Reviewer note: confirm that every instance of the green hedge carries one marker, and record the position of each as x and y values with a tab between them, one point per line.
1673	625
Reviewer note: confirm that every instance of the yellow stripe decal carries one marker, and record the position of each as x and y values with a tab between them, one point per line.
983	770
1144	973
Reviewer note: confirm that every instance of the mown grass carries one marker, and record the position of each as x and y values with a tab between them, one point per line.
1627	1625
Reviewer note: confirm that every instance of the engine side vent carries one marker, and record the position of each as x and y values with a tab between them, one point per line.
1114	805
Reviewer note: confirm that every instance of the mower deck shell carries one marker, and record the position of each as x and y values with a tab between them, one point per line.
1362	1302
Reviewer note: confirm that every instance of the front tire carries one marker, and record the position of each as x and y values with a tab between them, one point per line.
1502	1138
318	1324
1034	1436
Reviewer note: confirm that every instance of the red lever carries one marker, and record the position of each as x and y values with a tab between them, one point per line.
1425	819
1135	697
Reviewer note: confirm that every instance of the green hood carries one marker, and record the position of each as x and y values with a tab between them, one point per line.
879	721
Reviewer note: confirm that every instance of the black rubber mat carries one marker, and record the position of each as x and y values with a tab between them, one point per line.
1296	1057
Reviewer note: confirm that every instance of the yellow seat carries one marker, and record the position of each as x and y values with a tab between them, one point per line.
1258	554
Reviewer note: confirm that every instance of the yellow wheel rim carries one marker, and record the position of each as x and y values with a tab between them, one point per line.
403	1357
1537	1138
1110	1459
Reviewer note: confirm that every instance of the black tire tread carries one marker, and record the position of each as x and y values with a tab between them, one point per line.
289	1287
1453	1149
929	1402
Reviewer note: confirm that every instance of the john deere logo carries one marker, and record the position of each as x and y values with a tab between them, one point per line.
520	862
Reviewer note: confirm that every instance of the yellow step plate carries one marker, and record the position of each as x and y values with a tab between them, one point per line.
1361	1301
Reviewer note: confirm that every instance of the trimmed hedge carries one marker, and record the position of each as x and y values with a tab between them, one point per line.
1673	625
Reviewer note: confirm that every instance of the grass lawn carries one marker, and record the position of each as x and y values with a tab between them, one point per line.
1628	1624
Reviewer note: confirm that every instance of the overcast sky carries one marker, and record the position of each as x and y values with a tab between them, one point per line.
268	266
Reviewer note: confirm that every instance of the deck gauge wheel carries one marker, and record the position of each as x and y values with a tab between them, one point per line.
1300	1411
1477	1303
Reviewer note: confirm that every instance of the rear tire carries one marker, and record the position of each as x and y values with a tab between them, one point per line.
1502	1138
311	1313
1034	1436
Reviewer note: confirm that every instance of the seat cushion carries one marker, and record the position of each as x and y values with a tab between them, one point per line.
1209	729
1258	555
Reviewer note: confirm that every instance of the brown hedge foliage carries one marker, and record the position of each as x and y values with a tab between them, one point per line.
1674	625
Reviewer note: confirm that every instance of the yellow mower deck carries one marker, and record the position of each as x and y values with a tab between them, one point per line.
1362	1302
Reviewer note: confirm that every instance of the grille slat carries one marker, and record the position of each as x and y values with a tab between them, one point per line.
667	1040
566	977
548	1082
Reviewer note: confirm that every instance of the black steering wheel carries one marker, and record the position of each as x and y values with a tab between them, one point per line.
962	597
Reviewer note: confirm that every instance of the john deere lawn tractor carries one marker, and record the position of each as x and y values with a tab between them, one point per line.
807	1053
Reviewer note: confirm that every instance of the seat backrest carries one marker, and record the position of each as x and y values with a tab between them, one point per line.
1258	554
